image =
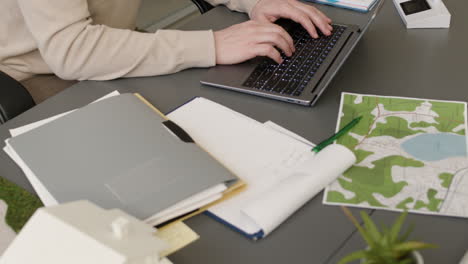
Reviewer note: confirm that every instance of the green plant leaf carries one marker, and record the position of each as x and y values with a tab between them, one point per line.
353	256
412	245
406	261
397	226
385	241
371	227
361	230
407	233
380	255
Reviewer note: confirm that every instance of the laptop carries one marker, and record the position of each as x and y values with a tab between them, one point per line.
303	77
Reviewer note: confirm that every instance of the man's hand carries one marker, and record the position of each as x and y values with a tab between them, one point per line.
308	16
250	39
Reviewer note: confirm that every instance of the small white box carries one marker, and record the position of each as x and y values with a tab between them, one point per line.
423	13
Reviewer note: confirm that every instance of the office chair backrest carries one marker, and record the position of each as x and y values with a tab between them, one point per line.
14	98
202	5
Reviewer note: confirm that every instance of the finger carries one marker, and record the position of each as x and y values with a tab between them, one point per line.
262	19
276	40
300	17
268	32
323	15
268	51
318	18
275	29
302	5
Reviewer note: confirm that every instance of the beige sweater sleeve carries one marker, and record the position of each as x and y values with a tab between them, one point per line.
76	49
237	5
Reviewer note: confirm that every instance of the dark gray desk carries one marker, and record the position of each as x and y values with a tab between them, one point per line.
389	60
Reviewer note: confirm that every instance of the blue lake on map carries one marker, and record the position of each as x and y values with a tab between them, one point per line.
432	147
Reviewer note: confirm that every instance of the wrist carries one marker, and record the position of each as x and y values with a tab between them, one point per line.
251	7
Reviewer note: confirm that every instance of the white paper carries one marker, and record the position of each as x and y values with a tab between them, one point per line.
260	155
363	5
23	129
192	203
274	126
279	202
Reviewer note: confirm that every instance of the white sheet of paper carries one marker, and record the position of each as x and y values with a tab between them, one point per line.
258	154
274	126
192	203
23	129
279	202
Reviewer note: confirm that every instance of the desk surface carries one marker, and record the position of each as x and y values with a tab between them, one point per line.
389	60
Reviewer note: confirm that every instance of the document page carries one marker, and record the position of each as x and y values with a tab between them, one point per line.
261	155
360	5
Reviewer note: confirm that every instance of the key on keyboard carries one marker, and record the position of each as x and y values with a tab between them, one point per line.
294	73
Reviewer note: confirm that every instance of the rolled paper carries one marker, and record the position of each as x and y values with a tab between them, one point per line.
275	205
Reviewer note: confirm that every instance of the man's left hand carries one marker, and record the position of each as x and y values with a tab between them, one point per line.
306	15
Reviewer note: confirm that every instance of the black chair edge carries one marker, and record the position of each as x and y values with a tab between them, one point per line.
202	5
14	98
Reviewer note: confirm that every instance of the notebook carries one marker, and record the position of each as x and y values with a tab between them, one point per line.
120	153
279	168
357	5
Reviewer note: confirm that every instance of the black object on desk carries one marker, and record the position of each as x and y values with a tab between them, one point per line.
14	98
414	6
202	5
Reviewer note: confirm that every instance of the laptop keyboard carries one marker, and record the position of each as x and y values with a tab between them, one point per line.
295	72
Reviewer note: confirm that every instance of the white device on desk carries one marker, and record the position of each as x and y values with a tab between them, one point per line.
423	13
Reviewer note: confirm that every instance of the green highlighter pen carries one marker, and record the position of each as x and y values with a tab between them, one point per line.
338	134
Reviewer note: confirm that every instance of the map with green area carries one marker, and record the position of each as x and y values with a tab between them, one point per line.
411	155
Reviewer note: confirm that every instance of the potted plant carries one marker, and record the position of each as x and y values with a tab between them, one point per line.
387	245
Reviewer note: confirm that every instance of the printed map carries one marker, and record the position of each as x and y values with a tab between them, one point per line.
411	155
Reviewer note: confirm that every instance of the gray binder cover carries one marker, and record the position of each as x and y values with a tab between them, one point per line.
118	154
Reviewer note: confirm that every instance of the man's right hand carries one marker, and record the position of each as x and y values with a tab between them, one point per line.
250	39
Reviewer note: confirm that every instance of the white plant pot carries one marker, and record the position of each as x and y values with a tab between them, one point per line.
416	256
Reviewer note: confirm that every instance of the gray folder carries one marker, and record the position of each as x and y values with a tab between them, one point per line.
118	153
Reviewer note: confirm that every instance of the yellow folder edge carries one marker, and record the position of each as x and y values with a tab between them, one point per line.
176	233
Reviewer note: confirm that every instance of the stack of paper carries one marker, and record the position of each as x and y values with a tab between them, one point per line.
281	171
118	153
357	5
